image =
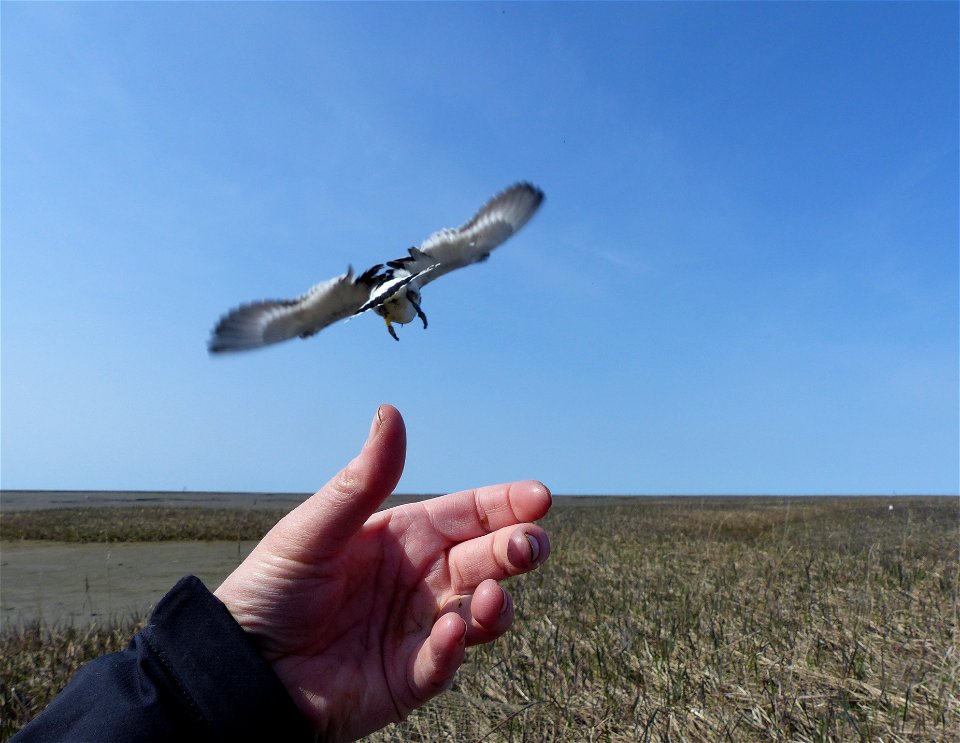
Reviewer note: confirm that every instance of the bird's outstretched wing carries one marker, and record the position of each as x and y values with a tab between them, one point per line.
497	220
271	321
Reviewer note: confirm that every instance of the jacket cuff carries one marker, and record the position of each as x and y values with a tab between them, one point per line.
218	668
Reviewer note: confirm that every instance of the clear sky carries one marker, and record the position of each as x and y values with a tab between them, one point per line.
744	278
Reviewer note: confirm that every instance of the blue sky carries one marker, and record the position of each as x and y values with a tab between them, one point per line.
744	278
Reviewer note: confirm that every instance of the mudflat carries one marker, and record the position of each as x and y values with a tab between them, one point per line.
79	584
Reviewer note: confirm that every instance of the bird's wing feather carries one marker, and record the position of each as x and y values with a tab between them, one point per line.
262	323
496	221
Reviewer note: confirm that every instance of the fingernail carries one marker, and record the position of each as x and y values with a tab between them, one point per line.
375	425
534	547
505	604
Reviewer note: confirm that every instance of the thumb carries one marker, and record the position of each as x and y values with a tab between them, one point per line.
323	523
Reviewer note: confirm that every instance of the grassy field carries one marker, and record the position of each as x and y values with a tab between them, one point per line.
699	619
139	524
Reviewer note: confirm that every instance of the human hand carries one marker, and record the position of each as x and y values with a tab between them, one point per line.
364	618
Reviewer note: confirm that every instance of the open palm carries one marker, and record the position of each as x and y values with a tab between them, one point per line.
364	618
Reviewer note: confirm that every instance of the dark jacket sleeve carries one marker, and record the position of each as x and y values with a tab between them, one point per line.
191	673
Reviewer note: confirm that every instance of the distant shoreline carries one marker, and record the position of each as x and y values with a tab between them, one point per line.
28	500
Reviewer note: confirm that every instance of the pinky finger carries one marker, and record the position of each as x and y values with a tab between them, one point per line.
439	657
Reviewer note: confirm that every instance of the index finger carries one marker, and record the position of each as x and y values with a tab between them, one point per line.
473	513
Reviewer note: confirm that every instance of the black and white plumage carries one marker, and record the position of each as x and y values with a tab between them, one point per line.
391	290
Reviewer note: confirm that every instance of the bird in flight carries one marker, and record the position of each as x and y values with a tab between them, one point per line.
391	290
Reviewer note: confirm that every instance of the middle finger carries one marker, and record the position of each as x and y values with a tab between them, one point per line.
504	553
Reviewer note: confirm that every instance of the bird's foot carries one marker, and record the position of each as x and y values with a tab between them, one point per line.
391	330
412	297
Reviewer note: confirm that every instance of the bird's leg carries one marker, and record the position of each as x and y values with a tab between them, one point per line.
413	300
391	330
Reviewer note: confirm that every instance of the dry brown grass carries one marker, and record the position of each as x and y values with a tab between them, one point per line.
684	619
139	524
711	620
37	661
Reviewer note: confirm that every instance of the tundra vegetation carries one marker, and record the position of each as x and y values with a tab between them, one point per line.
656	619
